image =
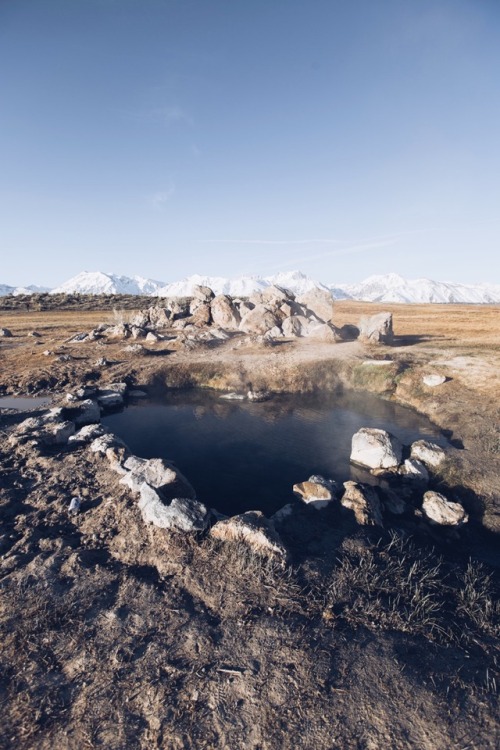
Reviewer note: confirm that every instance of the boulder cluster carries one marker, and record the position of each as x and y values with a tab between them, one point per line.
404	473
271	314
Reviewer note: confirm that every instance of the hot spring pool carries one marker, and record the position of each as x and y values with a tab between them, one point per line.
241	456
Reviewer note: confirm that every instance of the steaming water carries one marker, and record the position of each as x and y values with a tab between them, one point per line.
241	456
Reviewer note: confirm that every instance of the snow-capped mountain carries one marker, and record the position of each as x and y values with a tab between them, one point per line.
242	286
16	291
394	288
108	283
389	288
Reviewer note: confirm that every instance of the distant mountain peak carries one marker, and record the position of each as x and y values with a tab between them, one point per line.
388	288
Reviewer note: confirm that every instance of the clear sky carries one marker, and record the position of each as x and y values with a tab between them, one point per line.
226	137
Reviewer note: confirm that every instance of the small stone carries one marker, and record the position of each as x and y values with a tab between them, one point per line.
74	506
433	380
5	333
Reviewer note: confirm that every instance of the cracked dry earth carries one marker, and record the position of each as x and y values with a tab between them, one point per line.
119	635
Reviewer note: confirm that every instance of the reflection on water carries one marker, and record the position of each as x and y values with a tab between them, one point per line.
241	455
23	403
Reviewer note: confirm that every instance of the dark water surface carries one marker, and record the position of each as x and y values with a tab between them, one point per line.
241	456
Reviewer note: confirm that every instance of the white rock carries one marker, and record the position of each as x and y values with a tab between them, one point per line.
260	320
415	470
109	399
183	514
224	312
323	332
89	413
104	442
441	511
375	448
430	454
158	474
433	380
320	302
87	434
377	329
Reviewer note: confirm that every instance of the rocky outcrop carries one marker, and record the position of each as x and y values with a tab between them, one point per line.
295	326
319	302
376	449
182	514
364	501
430	454
440	511
253	529
224	312
159	474
377	329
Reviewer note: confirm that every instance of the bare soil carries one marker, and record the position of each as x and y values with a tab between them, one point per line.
123	636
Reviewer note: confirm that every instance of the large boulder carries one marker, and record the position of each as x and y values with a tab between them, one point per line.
319	302
158	474
275	296
253	529
224	312
430	454
364	501
377	329
182	514
259	320
323	332
159	317
440	511
87	412
376	449
201	316
202	293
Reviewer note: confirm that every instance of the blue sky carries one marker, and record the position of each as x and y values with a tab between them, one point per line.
226	137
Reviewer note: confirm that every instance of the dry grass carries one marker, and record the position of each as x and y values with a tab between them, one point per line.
463	325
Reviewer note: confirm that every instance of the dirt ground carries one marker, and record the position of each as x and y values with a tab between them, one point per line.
118	635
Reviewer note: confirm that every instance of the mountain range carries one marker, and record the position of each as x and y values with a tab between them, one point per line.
385	288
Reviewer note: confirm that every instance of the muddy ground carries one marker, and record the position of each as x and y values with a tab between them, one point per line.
124	636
